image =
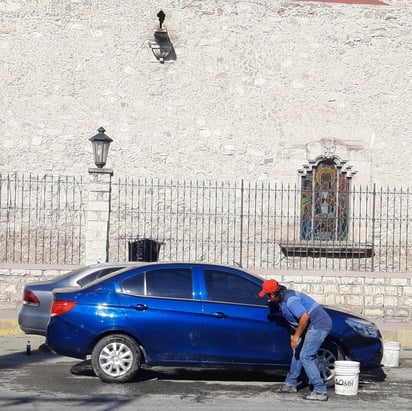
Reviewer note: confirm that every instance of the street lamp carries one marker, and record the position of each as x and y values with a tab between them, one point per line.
100	143
162	46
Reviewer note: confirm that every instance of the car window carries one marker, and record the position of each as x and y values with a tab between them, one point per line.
97	274
176	283
165	282
134	285
229	287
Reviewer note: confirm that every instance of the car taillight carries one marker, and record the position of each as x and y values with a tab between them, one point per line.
60	307
29	298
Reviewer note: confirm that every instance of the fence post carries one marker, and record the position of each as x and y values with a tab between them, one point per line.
373	226
241	224
98	215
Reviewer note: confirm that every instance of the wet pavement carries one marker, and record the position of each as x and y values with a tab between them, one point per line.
46	381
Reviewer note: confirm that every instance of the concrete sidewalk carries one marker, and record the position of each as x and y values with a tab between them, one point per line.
391	331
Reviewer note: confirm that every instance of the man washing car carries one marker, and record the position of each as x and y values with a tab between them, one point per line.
311	325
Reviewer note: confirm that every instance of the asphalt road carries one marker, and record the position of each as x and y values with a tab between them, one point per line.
44	381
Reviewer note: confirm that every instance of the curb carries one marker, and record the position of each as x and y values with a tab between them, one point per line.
10	327
403	336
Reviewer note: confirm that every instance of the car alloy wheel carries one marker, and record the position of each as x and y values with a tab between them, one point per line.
325	359
116	358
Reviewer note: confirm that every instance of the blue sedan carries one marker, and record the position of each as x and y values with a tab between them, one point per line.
190	314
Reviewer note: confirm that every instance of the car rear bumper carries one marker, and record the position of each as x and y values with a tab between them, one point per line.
32	323
65	339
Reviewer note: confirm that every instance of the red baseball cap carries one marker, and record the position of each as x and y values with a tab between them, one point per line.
269	286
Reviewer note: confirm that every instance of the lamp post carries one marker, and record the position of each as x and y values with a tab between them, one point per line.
100	143
99	200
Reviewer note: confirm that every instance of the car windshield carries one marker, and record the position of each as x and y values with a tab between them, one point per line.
113	271
83	280
67	275
98	274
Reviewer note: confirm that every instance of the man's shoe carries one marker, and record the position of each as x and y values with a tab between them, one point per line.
287	388
316	396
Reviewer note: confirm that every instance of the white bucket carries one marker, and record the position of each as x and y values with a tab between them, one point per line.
346	377
391	353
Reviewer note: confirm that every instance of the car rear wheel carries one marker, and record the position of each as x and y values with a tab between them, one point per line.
116	358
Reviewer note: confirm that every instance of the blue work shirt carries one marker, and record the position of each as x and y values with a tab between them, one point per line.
294	304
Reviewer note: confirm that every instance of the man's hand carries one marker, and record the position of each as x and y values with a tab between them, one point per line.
303	322
294	341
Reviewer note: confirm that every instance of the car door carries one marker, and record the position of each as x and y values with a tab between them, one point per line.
237	329
163	315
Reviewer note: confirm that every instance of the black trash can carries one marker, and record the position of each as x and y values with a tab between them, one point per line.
145	249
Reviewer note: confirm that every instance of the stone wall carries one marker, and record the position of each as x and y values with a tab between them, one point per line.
257	88
13	277
381	296
378	297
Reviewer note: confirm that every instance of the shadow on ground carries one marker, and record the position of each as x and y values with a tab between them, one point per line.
84	368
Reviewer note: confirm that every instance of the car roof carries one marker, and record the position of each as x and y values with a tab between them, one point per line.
173	263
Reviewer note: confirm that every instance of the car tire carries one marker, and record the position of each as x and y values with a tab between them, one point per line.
116	358
325	359
326	356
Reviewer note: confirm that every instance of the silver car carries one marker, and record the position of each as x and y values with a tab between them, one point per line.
37	297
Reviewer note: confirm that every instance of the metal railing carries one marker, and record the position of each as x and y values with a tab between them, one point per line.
42	219
258	225
255	225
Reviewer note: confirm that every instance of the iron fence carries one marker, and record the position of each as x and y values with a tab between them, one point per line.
255	225
42	219
258	225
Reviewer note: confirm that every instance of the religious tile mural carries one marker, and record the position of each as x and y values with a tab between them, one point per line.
325	202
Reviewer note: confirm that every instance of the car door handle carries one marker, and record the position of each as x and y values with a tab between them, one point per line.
140	307
219	314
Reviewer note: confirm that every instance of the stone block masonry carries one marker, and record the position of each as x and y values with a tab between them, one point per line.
362	293
379	297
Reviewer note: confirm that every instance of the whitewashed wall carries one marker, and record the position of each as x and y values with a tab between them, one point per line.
257	89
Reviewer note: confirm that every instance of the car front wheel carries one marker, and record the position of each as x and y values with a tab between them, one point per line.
116	358
325	360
